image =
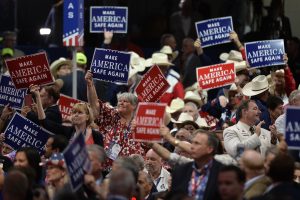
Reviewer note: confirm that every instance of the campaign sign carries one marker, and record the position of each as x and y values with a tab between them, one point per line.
27	70
77	161
110	65
292	127
9	94
214	31
73	27
265	53
65	104
216	75
152	86
21	132
108	18
149	117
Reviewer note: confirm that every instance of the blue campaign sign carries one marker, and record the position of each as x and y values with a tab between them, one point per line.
9	94
108	18
214	31
73	30
110	66
22	132
265	53
77	161
292	127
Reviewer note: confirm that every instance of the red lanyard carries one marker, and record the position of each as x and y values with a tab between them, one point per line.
195	183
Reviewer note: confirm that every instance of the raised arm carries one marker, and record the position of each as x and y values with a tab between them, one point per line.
35	89
235	38
92	94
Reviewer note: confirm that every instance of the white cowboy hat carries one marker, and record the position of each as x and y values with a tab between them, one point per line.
238	65
232	55
258	85
137	64
192	96
168	50
183	119
160	59
176	105
57	63
201	122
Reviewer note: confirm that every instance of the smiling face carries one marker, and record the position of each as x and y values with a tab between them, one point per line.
124	106
252	114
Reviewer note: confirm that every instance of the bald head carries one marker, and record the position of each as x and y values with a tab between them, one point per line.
252	161
153	162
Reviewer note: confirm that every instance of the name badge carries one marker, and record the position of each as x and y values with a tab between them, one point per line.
114	151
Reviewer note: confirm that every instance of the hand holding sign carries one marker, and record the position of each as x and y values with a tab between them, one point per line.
6	112
197	45
89	78
108	35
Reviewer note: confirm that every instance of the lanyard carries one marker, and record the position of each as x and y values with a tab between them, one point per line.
196	182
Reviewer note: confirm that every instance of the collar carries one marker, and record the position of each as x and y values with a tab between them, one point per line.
243	125
205	168
250	182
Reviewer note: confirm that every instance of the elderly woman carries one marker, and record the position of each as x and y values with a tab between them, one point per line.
81	118
115	123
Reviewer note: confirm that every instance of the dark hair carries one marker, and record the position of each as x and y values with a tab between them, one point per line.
60	142
273	102
212	140
164	37
282	168
52	92
16	186
240	174
33	159
244	105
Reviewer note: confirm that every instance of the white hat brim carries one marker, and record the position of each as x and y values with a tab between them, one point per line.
248	91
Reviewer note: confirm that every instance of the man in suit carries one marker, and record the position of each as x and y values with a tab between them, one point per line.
257	182
198	179
245	134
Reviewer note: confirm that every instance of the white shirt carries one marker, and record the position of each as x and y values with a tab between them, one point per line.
161	182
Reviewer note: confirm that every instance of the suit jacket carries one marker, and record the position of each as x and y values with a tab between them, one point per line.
257	188
52	113
240	133
181	177
285	190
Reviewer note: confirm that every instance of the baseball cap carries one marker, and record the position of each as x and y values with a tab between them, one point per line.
81	58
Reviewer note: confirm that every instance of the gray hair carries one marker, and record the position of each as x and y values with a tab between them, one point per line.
99	151
148	177
121	182
133	100
139	160
294	94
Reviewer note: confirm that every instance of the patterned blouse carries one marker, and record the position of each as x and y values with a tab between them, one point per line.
118	137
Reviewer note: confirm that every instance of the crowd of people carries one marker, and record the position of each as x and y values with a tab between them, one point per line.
224	143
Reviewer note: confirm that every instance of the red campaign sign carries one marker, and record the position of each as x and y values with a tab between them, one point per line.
216	75
149	117
65	104
31	69
152	86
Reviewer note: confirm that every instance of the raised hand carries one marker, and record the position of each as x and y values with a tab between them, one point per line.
197	45
89	78
258	127
108	35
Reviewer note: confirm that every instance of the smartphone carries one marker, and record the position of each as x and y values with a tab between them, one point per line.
28	100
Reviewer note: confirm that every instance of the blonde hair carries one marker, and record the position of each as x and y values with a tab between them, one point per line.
85	108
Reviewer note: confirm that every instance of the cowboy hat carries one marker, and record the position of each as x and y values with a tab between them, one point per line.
168	50
176	105
192	96
202	123
137	64
238	65
57	63
160	59
184	119
257	86
232	55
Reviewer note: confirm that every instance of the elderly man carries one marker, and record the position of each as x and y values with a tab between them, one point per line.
159	174
245	134
146	184
257	182
198	178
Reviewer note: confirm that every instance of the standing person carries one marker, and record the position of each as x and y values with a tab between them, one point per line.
252	163
245	133
146	185
67	86
115	123
231	182
81	119
198	178
159	174
10	41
